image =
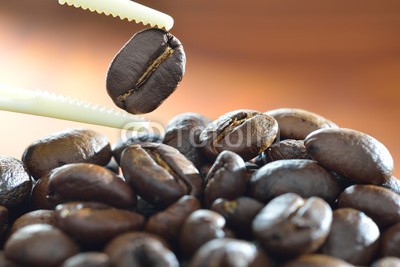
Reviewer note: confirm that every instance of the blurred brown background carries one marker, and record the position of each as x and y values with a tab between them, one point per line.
340	59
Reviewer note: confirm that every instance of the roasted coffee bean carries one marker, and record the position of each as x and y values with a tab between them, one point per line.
298	123
285	149
15	183
146	71
393	183
356	155
301	176
238	213
227	178
93	226
140	249
137	138
168	223
387	262
39	245
34	217
229	252
69	146
317	260
390	243
183	131
160	174
245	132
381	204
290	225
353	237
200	227
83	182
88	259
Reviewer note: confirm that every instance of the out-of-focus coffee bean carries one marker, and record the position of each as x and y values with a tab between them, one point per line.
39	245
353	237
15	183
229	252
34	217
146	71
200	227
390	243
304	177
227	178
393	183
245	132
68	146
93	226
387	262
140	249
356	155
290	225
183	131
160	174
88	259
238	213
381	204
317	260
298	123
168	223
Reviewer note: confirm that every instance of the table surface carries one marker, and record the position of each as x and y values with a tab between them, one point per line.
338	59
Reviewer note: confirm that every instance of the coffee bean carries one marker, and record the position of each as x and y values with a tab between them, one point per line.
290	225
34	217
146	71
245	132
160	174
238	213
69	146
200	227
39	245
82	182
390	243
227	178
15	183
229	252
381	204
387	262
286	149
183	131
303	177
94	226
168	223
317	260
356	155
88	259
298	123
353	237
140	249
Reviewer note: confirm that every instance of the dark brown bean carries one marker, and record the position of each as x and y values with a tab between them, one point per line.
381	204
146	71
298	123
140	249
356	155
353	237
229	252
303	177
290	225
227	178
168	223
39	245
200	227
93	227
88	259
390	243
15	183
245	132
68	146
160	174
286	149
34	217
317	260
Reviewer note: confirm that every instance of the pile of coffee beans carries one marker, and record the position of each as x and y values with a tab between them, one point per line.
286	187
